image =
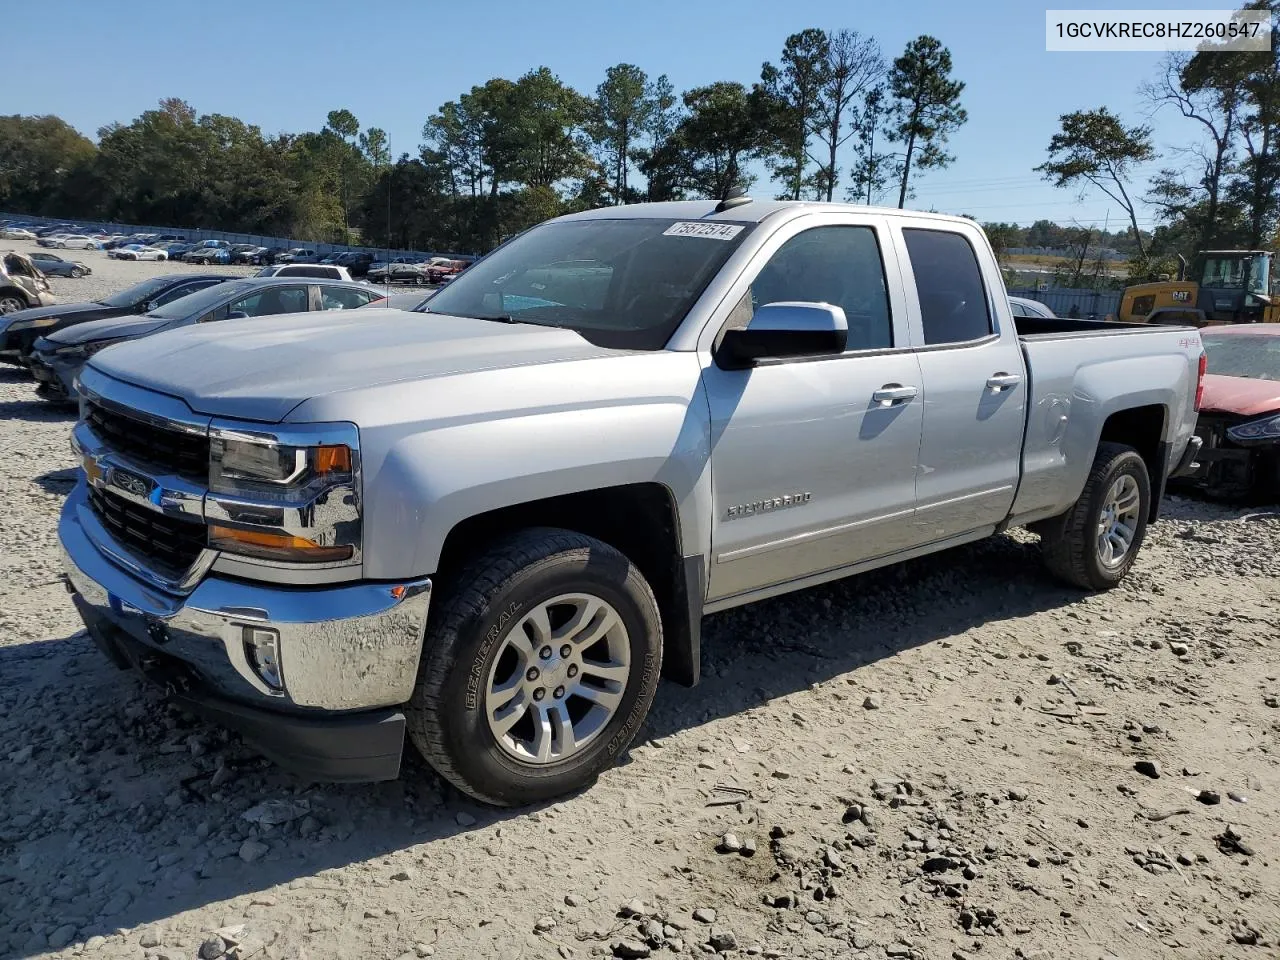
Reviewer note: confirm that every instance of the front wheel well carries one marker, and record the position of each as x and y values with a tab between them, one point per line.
1143	429
640	520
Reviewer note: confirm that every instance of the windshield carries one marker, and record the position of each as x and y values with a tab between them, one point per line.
1236	355
619	283
139	293
1224	273
199	302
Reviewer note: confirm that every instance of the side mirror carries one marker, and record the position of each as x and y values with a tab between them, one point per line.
791	329
237	315
151	305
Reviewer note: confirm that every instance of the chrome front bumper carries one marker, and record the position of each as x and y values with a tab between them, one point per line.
341	647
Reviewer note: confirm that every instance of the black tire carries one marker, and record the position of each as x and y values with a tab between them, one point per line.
77	273
446	717
1070	542
9	303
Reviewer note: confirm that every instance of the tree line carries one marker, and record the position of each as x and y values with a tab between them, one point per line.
1220	191
832	118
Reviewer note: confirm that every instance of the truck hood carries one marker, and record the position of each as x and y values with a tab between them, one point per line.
1240	395
261	368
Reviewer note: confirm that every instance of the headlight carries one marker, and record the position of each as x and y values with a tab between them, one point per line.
1254	430
237	461
39	324
291	497
74	351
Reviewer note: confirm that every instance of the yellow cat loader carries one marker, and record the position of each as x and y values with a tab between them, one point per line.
1228	286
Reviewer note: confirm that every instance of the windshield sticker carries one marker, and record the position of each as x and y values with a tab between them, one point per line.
708	231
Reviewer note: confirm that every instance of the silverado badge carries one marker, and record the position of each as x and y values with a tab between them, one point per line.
765	506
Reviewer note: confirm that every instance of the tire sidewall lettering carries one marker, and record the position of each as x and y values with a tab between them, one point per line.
475	677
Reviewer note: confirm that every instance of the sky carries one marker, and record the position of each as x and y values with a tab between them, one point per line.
284	64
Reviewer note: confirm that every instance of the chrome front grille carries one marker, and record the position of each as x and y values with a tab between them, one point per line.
182	453
169	545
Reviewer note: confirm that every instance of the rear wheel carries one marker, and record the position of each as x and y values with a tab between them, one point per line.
541	662
1094	544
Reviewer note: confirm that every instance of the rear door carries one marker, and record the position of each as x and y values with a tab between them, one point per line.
975	388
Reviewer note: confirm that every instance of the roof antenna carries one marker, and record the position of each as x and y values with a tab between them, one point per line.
736	197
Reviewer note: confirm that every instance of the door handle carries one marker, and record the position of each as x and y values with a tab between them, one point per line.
893	393
1003	381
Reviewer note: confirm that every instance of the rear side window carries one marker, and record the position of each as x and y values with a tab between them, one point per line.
344	298
953	302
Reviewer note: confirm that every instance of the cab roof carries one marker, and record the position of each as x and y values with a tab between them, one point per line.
753	212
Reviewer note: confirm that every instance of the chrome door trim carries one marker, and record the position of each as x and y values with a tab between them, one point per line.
992	491
808	536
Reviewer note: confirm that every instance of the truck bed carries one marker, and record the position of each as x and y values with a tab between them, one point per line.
1032	327
1075	370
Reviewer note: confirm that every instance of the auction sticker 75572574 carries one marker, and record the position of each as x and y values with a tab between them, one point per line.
707	230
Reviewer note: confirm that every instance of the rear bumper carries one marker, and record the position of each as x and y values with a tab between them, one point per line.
347	654
1188	465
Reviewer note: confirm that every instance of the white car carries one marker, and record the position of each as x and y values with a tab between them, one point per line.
17	233
136	251
323	271
77	241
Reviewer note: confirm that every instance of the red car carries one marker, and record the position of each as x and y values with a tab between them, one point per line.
441	272
1240	413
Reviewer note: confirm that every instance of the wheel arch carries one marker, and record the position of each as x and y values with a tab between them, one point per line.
1145	429
642	520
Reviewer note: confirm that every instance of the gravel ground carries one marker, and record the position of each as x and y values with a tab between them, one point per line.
956	758
111	275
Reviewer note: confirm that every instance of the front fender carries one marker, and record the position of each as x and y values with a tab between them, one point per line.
424	479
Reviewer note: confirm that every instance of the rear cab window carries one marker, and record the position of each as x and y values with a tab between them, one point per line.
953	300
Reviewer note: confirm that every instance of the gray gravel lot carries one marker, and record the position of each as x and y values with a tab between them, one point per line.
111	275
935	761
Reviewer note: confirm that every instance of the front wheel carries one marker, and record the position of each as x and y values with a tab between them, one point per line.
541	661
77	273
10	304
1094	544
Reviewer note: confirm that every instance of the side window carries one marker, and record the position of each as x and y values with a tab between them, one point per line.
953	302
272	300
836	265
1018	310
342	298
181	290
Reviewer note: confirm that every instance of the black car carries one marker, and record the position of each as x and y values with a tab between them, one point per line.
20	329
357	264
57	359
54	266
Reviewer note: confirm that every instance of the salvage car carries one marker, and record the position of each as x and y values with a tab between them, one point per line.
56	359
52	265
26	326
1239	424
137	251
22	285
711	404
77	241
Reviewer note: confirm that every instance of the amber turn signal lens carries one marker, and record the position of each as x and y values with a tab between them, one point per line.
331	459
274	546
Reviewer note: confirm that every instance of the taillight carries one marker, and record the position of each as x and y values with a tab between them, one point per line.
1200	372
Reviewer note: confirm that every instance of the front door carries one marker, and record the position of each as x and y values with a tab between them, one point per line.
813	460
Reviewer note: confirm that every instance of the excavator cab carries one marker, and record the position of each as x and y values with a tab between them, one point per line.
1234	285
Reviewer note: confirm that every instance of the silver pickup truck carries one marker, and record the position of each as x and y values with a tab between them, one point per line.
494	522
